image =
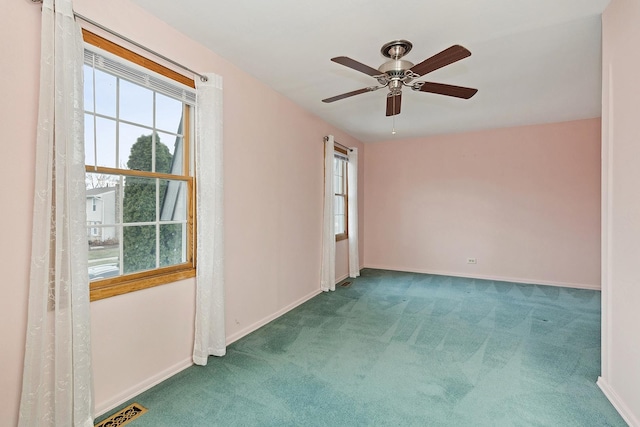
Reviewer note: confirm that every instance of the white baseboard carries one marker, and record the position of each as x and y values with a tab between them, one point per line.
618	403
341	278
254	326
480	276
143	386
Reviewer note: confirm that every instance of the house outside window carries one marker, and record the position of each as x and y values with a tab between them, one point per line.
101	209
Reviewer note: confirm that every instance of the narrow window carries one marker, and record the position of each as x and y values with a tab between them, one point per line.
340	194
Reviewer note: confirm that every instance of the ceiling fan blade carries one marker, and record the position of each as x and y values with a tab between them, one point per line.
393	104
448	90
358	66
348	94
439	60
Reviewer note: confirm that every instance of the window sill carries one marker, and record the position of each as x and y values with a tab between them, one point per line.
107	288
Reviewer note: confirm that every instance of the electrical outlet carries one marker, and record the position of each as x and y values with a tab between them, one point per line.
472	261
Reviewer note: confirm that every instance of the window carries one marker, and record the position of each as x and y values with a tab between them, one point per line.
137	145
340	184
94	231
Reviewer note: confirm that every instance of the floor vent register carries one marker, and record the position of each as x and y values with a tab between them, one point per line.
124	416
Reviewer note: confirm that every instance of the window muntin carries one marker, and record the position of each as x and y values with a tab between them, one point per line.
340	196
137	149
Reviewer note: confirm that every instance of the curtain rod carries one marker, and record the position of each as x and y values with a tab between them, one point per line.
326	138
136	44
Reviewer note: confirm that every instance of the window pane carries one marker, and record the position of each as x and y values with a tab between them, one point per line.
136	150
104	252
89	146
105	142
102	199
138	248
338	171
338	185
173	200
340	214
173	162
136	103
101	182
139	203
177	163
172	244
105	88
165	147
336	166
88	88
339	207
168	114
339	225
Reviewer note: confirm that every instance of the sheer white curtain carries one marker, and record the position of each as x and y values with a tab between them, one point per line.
210	339
328	266
352	211
57	386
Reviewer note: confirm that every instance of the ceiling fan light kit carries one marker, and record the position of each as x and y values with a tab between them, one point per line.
398	73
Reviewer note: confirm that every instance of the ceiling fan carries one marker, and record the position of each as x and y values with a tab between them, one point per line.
397	73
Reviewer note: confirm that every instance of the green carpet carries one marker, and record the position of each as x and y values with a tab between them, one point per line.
404	349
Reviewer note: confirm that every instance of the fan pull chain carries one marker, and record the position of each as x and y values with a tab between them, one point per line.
393	118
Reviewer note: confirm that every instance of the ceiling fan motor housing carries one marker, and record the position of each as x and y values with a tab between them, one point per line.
397	71
395	67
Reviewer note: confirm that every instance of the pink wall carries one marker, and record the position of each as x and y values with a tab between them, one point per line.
273	211
19	50
140	339
620	378
524	201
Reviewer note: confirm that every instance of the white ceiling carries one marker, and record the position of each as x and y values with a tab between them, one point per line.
533	61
